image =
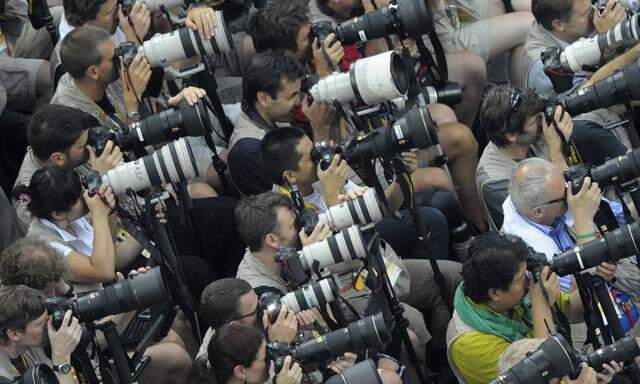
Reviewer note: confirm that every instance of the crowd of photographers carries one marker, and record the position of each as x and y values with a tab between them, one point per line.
319	191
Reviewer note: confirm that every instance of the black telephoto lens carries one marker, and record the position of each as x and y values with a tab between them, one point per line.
619	170
623	350
416	129
553	359
370	332
613	246
138	292
620	87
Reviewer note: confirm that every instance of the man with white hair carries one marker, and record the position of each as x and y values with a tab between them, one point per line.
543	210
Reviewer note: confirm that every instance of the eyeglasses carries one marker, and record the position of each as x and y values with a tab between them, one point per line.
255	311
562	199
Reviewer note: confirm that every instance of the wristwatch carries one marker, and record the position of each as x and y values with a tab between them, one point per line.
135	116
63	368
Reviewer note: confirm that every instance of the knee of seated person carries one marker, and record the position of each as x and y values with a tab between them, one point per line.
169	358
472	68
458	139
389	377
442	113
201	191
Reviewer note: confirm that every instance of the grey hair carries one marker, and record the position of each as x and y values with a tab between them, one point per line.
516	352
531	191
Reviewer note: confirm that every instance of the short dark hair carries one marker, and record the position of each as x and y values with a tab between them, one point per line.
493	261
55	128
32	262
233	345
51	189
20	306
496	110
278	152
545	11
257	217
86	41
266	73
220	299
78	12
276	26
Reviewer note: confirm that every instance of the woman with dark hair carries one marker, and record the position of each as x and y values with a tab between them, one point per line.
238	354
59	205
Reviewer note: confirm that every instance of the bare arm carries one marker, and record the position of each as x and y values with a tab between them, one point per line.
614	65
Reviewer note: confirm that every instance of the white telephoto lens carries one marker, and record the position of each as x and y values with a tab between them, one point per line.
582	52
370	81
157	5
311	296
344	246
363	210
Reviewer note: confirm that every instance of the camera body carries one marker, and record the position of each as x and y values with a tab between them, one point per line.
127	50
270	303
91	182
287	256
98	138
323	152
561	79
321	30
575	175
56	308
277	352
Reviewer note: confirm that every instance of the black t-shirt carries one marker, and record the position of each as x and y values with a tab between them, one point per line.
246	169
596	144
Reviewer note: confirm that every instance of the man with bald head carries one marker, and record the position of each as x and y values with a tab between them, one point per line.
543	210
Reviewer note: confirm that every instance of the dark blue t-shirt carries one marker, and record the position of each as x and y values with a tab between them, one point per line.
246	169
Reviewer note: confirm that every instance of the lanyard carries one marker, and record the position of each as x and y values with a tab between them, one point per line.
307	204
119	114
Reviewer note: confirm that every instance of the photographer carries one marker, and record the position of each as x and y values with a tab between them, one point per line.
38	265
271	91
522	348
286	157
267	221
559	23
297	36
496	305
238	354
24	322
517	129
541	208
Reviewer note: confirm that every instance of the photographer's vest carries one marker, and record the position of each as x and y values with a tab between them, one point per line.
70	95
247	128
456	328
30	358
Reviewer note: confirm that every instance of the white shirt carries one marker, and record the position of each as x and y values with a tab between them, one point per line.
515	224
118	37
82	243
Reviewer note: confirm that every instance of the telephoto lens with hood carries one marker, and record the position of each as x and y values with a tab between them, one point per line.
617	171
138	292
611	247
365	209
349	244
316	294
163	49
416	129
369	81
370	332
555	359
410	17
172	163
363	372
621	87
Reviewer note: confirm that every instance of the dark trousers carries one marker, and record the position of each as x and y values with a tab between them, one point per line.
13	146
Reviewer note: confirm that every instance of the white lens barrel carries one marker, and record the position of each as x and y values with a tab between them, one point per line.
163	49
369	81
582	52
308	297
345	246
365	209
173	162
156	5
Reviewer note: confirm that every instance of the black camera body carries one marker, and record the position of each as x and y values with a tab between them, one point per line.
98	138
290	260
126	6
321	30
128	51
56	308
323	152
575	175
270	303
277	352
91	182
561	79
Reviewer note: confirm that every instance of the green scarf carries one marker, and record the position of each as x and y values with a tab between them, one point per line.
486	321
